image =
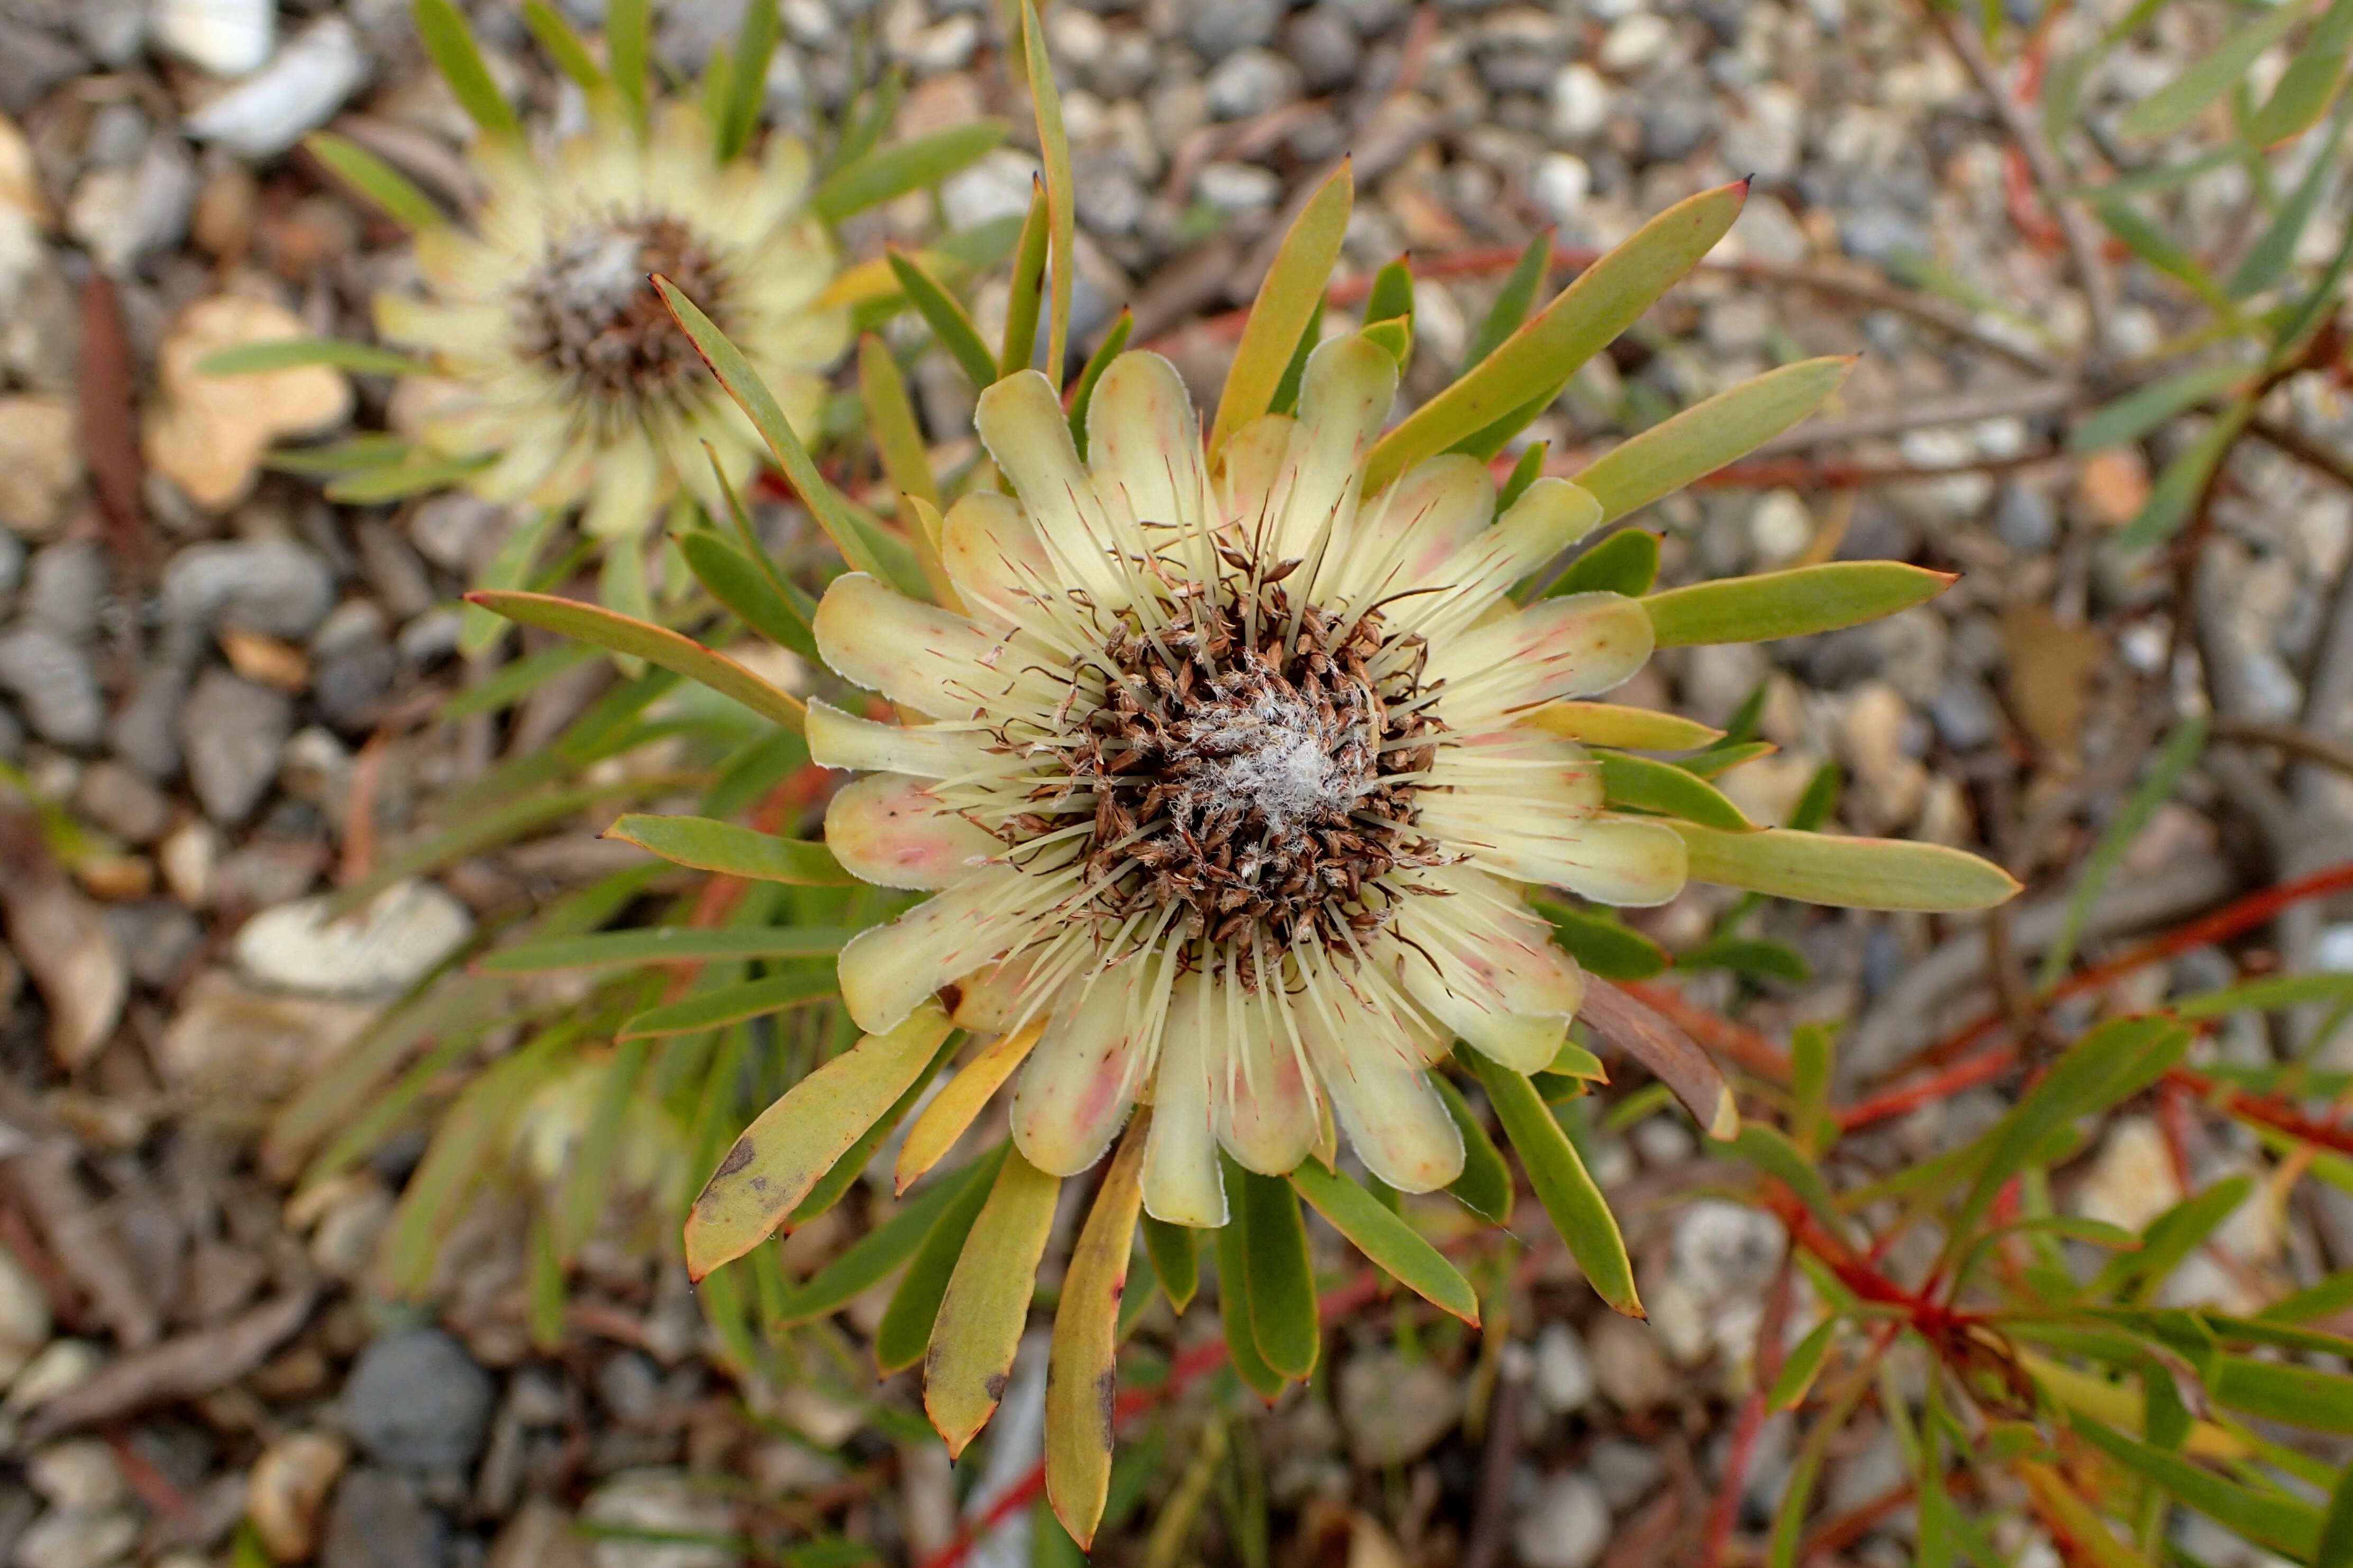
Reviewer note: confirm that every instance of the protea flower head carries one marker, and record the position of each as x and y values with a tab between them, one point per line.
563	378
1232	779
1229	761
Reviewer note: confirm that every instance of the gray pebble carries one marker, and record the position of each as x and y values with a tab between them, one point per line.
1883	233
1320	43
65	587
273	586
32	61
378	1521
1964	714
417	1401
12	566
232	731
2025	519
53	684
156	935
123	802
1678	116
1217	27
1249	82
143	732
350	683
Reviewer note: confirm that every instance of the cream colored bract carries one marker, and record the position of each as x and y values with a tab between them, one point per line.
559	365
1231	779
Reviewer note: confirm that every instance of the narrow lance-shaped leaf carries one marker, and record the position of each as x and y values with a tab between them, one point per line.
2313	75
890	172
2268	1520
1484	1187
1626	562
831	1188
1569	1193
1392	1245
1513	301
1797	603
789	602
2107	1063
2267	262
1281	1282
2143	409
285	354
1769	1150
441	27
746	78
732	1005
1579	322
951	1112
1233	1308
947	319
1614	724
563	44
1081	1376
905	1331
759	404
658	646
378	181
795	1141
1290	299
1602	946
1062	194
988	1303
1176	1259
737	582
1706	435
2173	760
1029	290
2208	76
1670	1055
1846	873
2335	1549
1804	1364
625	30
1648	785
1083	398
666	944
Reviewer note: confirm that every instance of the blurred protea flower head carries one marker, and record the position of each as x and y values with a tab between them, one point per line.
564	381
1233	779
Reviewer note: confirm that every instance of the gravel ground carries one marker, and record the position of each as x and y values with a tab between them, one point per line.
205	667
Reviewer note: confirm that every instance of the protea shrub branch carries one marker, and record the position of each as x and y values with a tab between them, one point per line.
1228	766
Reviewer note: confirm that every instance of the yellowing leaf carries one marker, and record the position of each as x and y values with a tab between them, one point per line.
1061	196
1614	724
1081	1379
1792	604
658	646
1289	301
988	1303
1582	320
1706	435
794	1141
732	851
951	1111
732	1005
1846	873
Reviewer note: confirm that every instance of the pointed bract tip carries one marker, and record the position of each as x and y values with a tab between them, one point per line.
1724	1126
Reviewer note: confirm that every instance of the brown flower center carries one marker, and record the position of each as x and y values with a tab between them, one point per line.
1249	767
590	314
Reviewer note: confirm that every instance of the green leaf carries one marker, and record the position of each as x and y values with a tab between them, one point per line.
658	646
732	1005
1603	945
1812	1055
1845	873
1792	604
1525	473
2302	1396
1770	1151
2183	479
1803	1365
2208	76
2267	262
2142	410
1724	756
398	482
286	353
906	1327
744	385
1539	359
1091	372
1708	435
1390	298
1290	300
1392	1245
1648	785
2171	1237
1281	1284
2336	1546
1061	193
1019	343
2173	760
1484	1187
2112	1062
890	170
1513	301
740	585
1286	391
1175	1258
441	27
2161	250
779	1158
1626	562
563	44
371	177
1820	801
666	944
2314	306
947	319
784	610
2315	73
747	78
2272	1521
1755	957
732	851
625	51
1569	1193
587	1174
1233	1306
852	1162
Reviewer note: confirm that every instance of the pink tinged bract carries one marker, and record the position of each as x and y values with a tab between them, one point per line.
891	831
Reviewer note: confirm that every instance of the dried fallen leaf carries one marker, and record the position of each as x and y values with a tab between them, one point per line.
59	938
177	1369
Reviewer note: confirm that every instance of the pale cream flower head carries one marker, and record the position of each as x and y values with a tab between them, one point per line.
1231	778
563	370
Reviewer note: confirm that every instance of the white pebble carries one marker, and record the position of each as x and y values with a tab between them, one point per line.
226	37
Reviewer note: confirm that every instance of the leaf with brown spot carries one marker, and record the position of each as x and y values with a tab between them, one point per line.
988	1303
1081	1379
1672	1056
797	1141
